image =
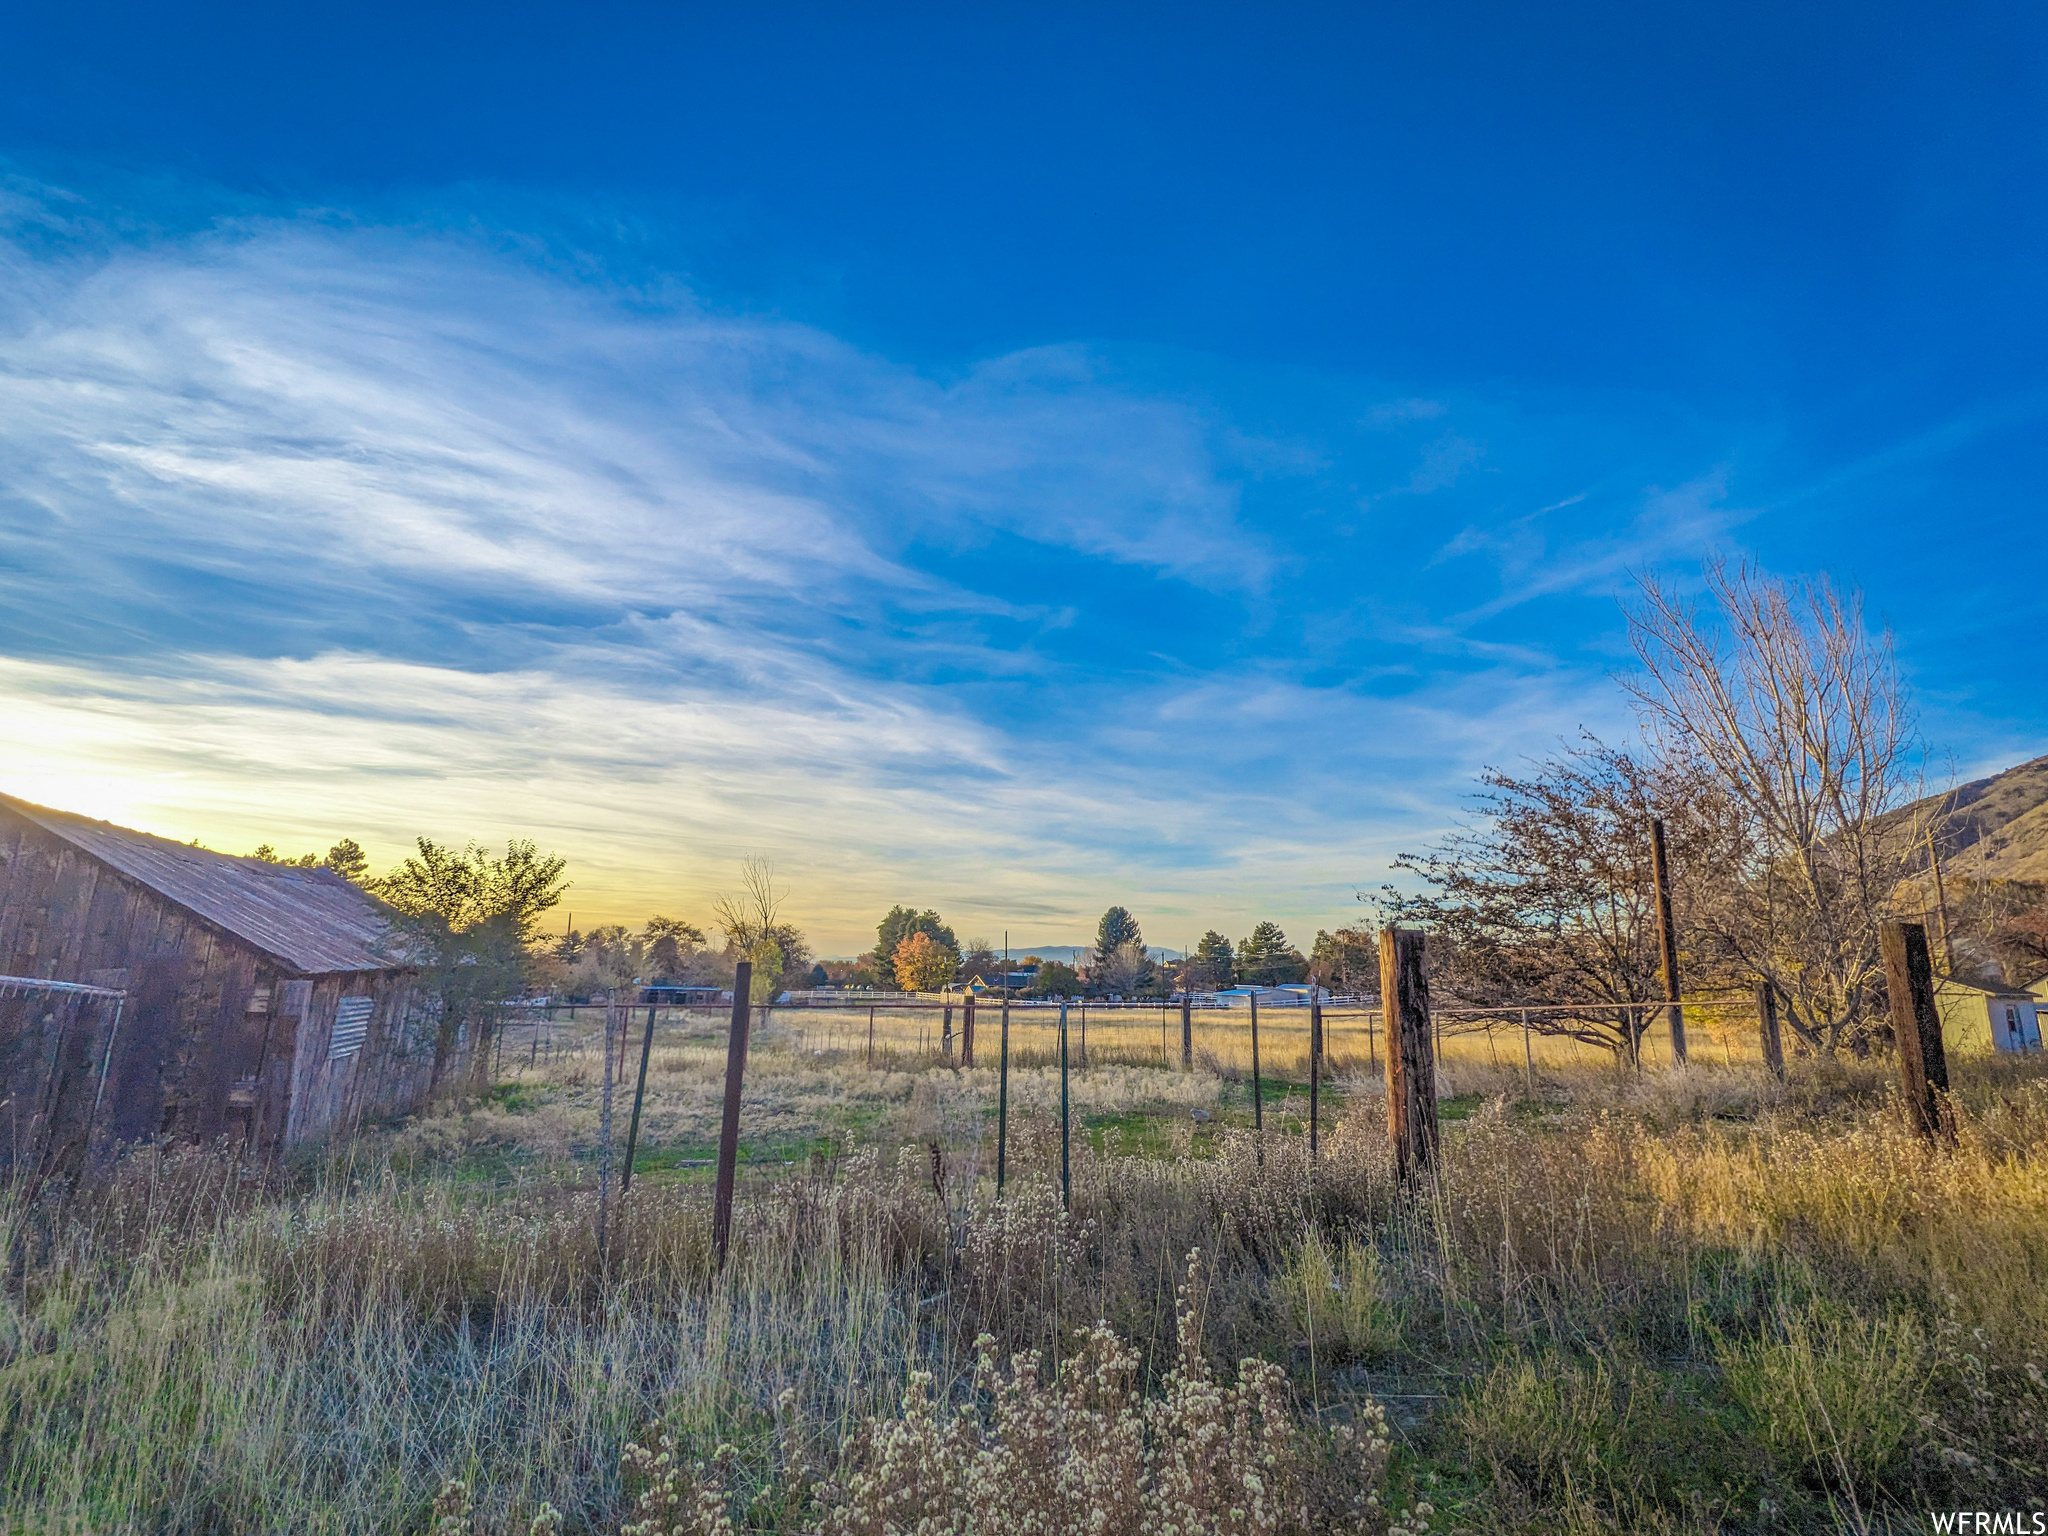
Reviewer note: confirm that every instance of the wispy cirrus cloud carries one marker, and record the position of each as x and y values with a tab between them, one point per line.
314	528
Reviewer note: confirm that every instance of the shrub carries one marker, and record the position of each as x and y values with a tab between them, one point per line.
1832	1394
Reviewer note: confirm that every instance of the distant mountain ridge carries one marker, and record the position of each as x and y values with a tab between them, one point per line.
1064	953
1995	828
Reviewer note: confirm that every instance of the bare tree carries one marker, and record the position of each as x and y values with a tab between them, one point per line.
1999	928
1546	898
752	916
1124	972
1799	713
748	914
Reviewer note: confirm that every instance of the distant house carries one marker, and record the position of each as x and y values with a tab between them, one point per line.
265	1003
1975	1017
1292	996
682	995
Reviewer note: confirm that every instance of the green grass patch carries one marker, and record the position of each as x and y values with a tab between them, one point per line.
696	1163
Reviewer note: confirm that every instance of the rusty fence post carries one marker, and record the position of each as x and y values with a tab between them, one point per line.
1767	1029
1916	1026
1411	1068
1187	1029
729	1127
967	1032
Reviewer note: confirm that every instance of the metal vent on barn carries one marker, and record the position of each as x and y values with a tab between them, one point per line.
351	1027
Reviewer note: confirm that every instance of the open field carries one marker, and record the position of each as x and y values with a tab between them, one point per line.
1677	1301
1722	1033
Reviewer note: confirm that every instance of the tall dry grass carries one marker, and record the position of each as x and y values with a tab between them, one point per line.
1687	1303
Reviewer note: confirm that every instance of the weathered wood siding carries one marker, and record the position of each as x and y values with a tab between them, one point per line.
214	1039
390	1075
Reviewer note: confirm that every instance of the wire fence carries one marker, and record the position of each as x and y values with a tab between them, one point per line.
906	1033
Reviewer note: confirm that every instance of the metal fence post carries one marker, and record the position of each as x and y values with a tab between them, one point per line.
604	1144
639	1093
729	1127
1066	1120
1003	1097
1315	1065
1258	1086
1187	1029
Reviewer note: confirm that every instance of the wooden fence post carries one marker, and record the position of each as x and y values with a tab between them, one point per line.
967	1032
1187	1029
1667	938
729	1127
1916	1025
1411	1071
1003	1097
1066	1123
639	1093
1767	1029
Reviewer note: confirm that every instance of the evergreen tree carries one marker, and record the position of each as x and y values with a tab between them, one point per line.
1116	929
1266	959
347	859
1215	965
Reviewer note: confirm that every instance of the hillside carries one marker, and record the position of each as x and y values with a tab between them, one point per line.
1997	828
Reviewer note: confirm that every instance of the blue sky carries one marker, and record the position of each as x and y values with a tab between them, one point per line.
1009	461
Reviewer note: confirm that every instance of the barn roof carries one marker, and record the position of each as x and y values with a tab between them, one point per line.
310	920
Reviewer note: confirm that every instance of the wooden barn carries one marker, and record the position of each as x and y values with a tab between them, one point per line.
264	1003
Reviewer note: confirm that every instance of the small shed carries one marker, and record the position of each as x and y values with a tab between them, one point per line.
1987	1018
263	1003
